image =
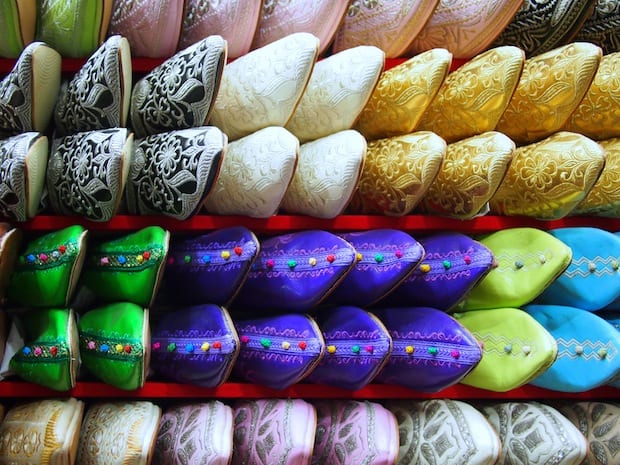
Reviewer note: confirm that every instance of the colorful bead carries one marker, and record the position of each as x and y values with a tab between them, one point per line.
527	350
592	267
104	261
291	264
369	349
171	347
146	255
244	339
409	350
312	261
467	259
31	258
270	263
379	258
398	254
518	264
54	351
331	349
455	354
127	349
189	348
62	248
217	345
91	345
205	347
225	254
355	349
122	259
187	259
602	353
104	348
238	250
358	257
206	259
508	348
432	350
579	350
43	257
286	345
542	259
26	350
615	265
37	351
140	258
119	348
302	345
170	261
266	343
55	254
156	345
446	264
331	258
425	268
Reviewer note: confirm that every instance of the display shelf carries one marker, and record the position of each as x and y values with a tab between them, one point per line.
284	223
164	390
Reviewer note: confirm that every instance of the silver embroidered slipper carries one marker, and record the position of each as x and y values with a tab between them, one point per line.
23	160
179	93
87	172
28	93
172	173
98	96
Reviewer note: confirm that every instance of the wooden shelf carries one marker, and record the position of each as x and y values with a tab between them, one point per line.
163	390
284	223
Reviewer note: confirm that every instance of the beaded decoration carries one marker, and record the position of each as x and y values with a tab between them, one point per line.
116	348
432	352
450	265
41	260
211	258
43	352
134	260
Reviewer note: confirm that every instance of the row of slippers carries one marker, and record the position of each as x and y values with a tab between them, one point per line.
568	273
158	28
438	168
305	270
311	432
559	348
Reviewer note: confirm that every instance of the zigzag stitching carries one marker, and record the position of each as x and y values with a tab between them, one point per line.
504	341
576	270
528	259
565	346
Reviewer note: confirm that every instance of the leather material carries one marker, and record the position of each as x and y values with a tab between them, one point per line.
209	268
337	92
453	265
450	432
235	20
357	347
384	259
351	431
532	432
326	176
23	163
597	115
551	87
171	174
397	173
119	432
48	268
527	261
200	433
179	93
98	95
114	344
474	96
295	272
18	19
29	91
152	27
591	280
255	174
548	179
53	427
389	25
539	27
72	27
87	173
11	240
588	348
469	176
598	422
465	28
274	431
281	18
128	268
278	351
195	345
515	348
601	28
604	199
431	350
263	87
50	356
403	94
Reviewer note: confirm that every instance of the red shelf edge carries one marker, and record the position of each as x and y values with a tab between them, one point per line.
164	390
283	223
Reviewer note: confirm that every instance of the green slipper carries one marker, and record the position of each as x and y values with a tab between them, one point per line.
127	269
115	343
17	21
50	356
47	271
